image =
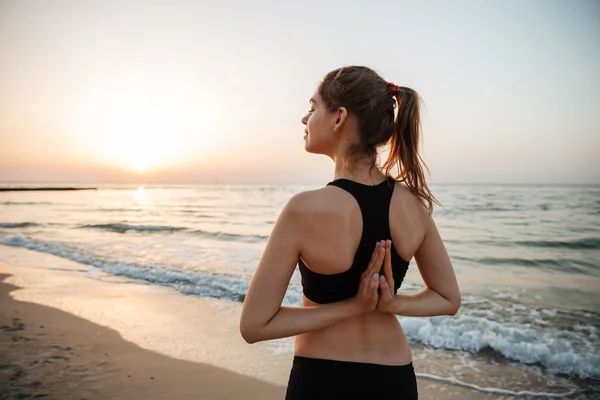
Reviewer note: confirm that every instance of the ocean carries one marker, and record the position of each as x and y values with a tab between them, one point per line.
527	259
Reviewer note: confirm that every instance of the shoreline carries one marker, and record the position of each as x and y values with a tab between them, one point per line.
185	333
49	353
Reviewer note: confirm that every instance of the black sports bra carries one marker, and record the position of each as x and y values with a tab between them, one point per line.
374	202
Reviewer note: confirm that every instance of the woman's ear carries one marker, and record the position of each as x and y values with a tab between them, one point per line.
340	118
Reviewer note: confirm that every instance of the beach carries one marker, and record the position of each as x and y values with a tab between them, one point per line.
162	272
149	149
47	352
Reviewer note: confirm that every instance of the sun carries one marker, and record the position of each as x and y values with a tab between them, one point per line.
138	163
143	148
143	129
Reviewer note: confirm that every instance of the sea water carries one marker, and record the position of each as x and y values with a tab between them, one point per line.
527	257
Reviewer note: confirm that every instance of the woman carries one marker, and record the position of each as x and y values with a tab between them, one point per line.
353	240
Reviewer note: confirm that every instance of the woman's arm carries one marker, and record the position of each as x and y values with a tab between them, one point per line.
426	303
441	295
263	317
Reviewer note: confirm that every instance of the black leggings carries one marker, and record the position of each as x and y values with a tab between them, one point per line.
315	378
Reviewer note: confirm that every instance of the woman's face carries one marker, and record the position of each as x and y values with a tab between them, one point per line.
319	124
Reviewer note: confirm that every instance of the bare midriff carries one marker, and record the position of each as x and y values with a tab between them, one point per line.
373	337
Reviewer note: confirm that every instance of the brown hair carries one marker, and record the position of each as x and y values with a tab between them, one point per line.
368	96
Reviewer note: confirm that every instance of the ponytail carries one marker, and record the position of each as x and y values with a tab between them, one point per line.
372	99
404	147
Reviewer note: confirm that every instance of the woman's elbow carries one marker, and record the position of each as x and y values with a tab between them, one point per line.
249	337
455	305
249	333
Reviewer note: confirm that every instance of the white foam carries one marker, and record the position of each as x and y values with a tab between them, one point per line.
481	323
188	282
202	330
459	382
559	351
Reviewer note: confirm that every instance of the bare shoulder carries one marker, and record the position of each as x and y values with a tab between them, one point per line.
406	202
301	202
314	201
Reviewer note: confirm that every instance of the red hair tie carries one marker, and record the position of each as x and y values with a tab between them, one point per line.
393	88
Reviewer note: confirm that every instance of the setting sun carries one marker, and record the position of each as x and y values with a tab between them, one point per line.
142	128
138	163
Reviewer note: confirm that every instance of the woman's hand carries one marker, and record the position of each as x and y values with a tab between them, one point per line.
367	296
386	282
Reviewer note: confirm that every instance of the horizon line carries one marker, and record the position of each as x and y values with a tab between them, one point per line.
231	182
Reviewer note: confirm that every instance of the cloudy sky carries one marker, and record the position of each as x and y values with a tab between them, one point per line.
191	91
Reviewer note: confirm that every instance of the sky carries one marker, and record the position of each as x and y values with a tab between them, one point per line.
192	91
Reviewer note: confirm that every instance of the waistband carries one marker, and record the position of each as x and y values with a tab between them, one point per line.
348	364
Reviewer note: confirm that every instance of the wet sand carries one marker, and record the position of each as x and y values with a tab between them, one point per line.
47	353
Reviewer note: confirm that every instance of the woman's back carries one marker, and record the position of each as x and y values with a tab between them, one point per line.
334	228
347	332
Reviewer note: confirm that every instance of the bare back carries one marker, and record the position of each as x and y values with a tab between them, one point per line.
373	337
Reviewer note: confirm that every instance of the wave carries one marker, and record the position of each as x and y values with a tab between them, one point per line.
483	208
494	390
24	203
119	209
554	264
588	243
491	208
187	282
231	236
560	351
122	228
562	341
579	244
17	224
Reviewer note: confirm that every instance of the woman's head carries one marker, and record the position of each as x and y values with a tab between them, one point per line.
353	110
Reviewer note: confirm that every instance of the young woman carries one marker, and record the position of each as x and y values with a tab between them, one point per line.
353	240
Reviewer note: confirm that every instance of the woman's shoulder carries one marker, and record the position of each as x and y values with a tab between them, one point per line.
318	200
406	200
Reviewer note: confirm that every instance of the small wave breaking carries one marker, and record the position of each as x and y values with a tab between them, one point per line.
482	324
124	228
11	225
560	351
187	282
588	243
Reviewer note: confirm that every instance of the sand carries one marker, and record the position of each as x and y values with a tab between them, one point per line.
71	333
50	354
